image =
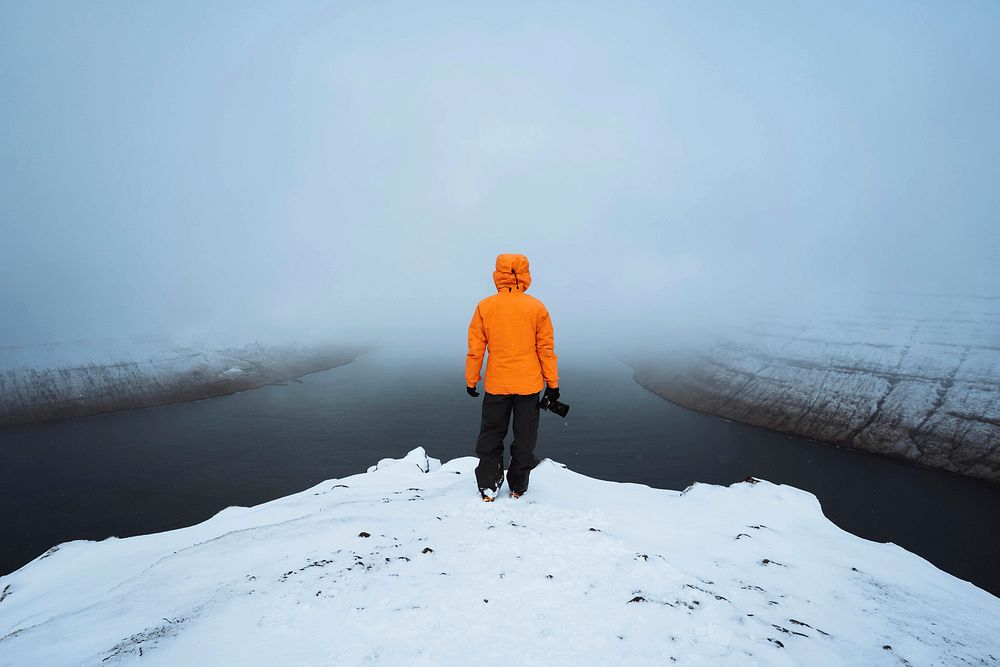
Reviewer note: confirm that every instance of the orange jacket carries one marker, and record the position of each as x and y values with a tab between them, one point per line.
518	332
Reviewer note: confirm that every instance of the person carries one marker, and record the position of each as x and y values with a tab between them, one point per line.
517	331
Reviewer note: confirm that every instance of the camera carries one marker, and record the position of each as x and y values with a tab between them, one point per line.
554	406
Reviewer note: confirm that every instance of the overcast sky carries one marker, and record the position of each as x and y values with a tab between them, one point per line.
353	168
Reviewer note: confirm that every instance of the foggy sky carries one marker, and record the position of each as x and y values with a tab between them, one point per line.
352	169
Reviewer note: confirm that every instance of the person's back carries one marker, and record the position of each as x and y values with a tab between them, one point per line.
517	331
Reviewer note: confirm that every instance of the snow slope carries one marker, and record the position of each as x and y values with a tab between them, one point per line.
916	378
404	565
72	379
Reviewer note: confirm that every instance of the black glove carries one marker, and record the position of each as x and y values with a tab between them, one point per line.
471	391
551	393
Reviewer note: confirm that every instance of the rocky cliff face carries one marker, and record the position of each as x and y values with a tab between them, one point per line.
919	380
43	383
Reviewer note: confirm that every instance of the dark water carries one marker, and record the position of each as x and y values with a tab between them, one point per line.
168	467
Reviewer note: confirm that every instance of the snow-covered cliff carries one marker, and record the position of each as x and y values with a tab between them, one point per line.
915	377
57	381
405	565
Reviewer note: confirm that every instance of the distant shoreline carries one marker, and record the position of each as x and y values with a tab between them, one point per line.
34	396
688	383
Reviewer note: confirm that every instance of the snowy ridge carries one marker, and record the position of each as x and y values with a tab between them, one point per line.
405	565
79	378
917	378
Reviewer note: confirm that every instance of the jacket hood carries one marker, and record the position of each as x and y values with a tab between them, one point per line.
512	273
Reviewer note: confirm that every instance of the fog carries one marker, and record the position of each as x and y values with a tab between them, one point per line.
351	170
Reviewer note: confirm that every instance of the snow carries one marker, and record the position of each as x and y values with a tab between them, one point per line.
40	382
911	376
405	565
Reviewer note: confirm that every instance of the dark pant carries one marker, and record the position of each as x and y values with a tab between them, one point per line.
489	447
